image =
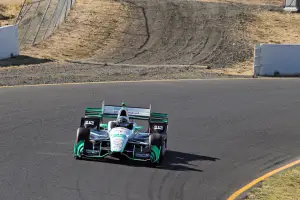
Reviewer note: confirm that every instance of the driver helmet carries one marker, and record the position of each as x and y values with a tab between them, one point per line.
122	121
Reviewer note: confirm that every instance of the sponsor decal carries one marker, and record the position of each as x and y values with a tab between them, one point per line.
89	123
92	151
118	135
117	143
156	127
133	113
142	155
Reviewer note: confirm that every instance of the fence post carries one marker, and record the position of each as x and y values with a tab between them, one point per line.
25	12
60	15
41	22
30	22
22	7
66	10
53	15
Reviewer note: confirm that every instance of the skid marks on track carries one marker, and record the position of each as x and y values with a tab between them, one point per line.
172	182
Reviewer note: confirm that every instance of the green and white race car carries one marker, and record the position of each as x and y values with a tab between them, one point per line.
122	137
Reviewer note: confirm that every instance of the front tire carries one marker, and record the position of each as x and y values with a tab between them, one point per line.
82	136
156	144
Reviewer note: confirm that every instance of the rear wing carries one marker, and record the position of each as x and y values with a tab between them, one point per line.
111	111
158	117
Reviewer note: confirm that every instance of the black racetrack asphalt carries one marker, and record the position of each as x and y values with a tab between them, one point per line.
222	134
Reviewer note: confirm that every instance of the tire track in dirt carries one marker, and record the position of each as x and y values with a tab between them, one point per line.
146	23
183	32
144	14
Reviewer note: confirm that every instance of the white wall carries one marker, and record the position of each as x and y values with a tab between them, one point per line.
9	43
290	3
271	58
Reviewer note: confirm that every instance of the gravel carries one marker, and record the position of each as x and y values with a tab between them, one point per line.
51	73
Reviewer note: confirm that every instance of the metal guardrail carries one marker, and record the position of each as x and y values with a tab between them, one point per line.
38	19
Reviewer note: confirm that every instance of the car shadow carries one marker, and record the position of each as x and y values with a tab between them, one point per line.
180	161
174	160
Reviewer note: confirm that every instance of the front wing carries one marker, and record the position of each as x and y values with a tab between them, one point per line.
134	150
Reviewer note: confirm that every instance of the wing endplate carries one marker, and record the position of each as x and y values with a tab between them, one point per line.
159	117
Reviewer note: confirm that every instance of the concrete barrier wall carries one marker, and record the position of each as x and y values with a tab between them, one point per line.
276	59
9	44
291	5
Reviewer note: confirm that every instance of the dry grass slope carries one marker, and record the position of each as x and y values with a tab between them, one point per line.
9	10
285	185
266	26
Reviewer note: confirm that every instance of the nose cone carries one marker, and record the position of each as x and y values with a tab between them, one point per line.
117	144
118	140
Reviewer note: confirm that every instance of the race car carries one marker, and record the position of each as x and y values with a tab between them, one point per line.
122	137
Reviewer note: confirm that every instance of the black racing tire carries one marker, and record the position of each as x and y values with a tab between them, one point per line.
157	140
82	134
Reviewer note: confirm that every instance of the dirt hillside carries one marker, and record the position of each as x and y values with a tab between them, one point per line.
208	33
158	39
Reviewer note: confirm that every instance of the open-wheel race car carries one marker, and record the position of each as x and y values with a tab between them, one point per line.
122	137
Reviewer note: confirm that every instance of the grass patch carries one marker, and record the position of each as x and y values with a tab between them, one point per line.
284	185
269	27
9	10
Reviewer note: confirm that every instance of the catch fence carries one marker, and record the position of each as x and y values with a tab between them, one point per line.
38	19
